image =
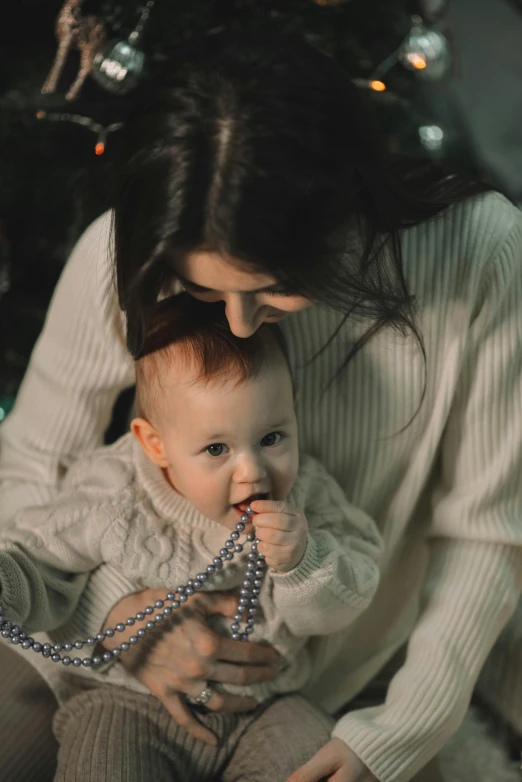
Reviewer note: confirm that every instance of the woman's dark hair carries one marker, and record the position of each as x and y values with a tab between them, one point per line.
261	149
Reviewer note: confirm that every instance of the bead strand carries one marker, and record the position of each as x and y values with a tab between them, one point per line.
248	599
248	603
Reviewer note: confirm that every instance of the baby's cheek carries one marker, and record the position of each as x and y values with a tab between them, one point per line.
286	480
218	492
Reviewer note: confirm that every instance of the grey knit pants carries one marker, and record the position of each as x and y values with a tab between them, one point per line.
28	748
113	734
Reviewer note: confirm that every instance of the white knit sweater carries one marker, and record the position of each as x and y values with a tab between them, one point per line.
444	492
117	508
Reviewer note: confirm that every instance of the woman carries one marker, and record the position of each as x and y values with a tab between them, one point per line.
253	177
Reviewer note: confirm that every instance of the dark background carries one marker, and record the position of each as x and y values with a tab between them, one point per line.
52	185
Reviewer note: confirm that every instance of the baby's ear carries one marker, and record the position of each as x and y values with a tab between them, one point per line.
150	441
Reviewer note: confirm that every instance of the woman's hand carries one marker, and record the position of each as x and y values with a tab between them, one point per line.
283	532
335	762
185	654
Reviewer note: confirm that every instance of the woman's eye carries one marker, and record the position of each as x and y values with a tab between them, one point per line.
216	449
274	438
281	292
191	287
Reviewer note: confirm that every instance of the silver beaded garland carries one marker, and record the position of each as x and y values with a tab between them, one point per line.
246	612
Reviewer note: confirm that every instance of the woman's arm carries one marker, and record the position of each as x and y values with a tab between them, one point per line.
77	369
475	573
339	573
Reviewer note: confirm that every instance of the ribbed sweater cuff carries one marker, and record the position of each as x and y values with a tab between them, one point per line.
500	682
373	743
309	564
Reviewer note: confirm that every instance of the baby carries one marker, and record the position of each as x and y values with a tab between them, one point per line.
215	437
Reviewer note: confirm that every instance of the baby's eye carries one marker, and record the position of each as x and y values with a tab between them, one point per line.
216	449
273	438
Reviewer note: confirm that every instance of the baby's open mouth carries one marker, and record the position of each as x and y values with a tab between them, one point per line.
242	506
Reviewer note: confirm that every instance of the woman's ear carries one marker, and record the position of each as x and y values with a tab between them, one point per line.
150	441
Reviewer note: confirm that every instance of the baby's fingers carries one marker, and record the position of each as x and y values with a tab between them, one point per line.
273	506
275	537
276	521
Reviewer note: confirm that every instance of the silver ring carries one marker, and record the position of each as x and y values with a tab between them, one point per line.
204	696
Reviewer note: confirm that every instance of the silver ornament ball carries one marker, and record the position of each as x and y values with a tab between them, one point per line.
118	66
432	138
427	52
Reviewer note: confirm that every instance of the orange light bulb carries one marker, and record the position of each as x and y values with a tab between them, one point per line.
417	61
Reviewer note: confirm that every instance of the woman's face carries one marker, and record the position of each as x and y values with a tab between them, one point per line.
250	297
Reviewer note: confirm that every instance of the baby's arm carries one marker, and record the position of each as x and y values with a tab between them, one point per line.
338	574
46	555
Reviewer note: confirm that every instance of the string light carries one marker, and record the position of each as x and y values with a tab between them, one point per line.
418	36
425	50
405	53
86	122
417	61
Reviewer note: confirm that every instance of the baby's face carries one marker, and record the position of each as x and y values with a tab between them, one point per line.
225	443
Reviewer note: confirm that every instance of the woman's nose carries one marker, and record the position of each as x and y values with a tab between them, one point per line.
242	312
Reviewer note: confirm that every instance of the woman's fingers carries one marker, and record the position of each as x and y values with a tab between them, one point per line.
336	762
180	711
210	603
246	653
195	673
184	653
174	702
226	702
222	701
193	652
228	673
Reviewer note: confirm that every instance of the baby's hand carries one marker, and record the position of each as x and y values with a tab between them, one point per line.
282	531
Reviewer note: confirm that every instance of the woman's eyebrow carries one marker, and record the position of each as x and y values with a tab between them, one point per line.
183	279
210	290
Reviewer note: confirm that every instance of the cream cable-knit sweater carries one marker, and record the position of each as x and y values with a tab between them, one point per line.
445	493
117	507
